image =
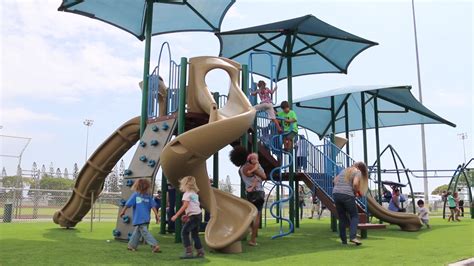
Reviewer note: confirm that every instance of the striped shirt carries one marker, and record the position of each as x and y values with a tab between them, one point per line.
343	187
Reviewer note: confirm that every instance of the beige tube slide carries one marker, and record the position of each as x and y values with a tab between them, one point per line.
90	180
187	153
407	221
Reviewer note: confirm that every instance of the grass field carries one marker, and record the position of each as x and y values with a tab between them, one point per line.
45	243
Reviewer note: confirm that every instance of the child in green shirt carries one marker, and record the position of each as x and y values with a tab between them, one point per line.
290	125
452	208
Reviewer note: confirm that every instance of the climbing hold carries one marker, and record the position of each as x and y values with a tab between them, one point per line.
126	219
152	163
155	128
129	183
143	158
142	143
116	233
129	236
122	202
127	172
165	126
154	142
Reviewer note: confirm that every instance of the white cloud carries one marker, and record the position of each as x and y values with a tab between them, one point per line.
63	57
19	115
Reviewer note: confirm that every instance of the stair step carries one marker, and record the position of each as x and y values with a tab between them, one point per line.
370	226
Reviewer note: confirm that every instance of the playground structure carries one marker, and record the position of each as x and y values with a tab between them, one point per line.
164	107
203	123
324	161
455	175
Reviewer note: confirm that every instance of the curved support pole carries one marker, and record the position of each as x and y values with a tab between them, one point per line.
458	169
395	156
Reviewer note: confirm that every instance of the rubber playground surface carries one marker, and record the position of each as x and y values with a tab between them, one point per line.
314	243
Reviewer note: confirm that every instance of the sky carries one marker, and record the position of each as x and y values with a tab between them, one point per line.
58	69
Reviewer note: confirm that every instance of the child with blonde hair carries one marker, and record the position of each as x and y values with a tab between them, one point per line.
192	218
142	202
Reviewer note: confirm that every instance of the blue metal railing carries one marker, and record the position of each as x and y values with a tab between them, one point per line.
171	93
253	84
172	101
280	185
269	136
323	162
340	161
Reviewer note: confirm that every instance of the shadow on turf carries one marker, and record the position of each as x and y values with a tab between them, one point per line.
395	232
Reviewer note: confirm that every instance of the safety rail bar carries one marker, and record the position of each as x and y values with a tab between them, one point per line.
253	88
171	93
461	169
321	167
276	147
338	160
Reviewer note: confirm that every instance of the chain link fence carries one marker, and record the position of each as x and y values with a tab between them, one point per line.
27	205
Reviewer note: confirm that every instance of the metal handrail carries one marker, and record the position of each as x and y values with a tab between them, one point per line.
321	166
252	99
172	95
278	139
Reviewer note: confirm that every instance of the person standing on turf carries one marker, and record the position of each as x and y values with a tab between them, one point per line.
239	156
452	207
192	218
316	205
142	203
346	188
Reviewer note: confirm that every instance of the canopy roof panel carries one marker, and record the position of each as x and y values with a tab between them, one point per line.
396	106
168	15
314	46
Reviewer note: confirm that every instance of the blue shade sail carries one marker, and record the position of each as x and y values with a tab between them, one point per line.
313	46
396	107
168	15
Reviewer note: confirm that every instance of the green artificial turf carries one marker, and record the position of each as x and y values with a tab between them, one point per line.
312	244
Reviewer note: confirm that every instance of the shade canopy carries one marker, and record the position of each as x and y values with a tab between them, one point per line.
168	15
313	46
396	106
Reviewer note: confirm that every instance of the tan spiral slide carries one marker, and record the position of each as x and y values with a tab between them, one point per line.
187	153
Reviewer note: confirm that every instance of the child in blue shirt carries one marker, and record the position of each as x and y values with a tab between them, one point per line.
142	202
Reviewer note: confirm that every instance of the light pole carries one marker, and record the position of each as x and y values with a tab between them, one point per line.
352	143
88	123
420	98
463	137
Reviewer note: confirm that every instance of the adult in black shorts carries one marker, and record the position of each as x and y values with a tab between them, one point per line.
255	194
